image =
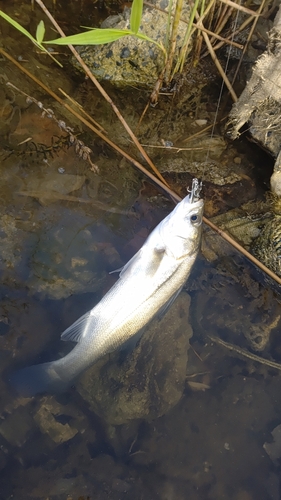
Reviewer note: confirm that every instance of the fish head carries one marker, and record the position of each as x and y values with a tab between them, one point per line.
181	230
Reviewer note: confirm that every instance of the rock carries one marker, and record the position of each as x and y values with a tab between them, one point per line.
66	259
47	187
197	443
267	246
10	238
233	278
274	449
130	61
210	171
150	381
3	459
60	422
259	233
243	227
58	252
16	427
275	180
59	433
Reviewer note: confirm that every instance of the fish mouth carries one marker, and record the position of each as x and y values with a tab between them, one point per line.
198	203
195	191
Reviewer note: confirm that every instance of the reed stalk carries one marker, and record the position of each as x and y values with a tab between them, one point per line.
173	41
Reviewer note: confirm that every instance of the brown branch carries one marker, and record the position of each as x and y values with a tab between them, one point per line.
239	7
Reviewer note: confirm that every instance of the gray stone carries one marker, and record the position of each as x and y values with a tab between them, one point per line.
130	61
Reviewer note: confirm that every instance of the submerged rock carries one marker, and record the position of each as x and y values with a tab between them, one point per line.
47	420
256	226
67	258
267	247
48	187
150	381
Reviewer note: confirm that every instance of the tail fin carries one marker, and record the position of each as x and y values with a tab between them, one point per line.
37	379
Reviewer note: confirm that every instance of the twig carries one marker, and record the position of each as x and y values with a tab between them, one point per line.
174	148
245	353
104	94
233	34
82	110
193	136
221	38
173	40
239	7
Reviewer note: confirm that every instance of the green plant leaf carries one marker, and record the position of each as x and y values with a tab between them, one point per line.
136	13
19	27
101	36
94	37
40	32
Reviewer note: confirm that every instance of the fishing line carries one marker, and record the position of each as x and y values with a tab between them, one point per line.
230	48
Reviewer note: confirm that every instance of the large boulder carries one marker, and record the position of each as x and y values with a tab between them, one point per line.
130	61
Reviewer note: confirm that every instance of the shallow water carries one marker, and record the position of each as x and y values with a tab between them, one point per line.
55	260
163	421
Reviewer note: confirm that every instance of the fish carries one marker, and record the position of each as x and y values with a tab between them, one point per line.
147	286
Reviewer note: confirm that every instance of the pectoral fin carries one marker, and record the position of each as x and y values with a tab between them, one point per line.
148	262
168	304
74	332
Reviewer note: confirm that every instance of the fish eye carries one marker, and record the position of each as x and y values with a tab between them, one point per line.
194	218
